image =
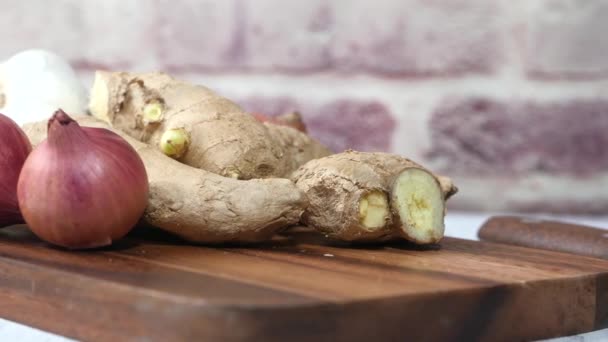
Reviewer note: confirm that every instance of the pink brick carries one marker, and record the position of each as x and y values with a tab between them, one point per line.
195	34
417	37
389	37
271	106
359	125
566	38
289	35
364	125
510	138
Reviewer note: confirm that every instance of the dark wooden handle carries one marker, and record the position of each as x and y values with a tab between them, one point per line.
550	235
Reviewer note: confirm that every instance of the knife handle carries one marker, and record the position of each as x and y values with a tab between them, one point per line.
549	235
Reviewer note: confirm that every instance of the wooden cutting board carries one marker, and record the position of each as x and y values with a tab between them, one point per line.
300	288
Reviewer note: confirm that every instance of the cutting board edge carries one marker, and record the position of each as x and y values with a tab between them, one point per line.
292	315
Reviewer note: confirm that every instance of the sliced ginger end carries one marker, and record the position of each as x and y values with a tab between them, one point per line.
417	197
374	210
153	112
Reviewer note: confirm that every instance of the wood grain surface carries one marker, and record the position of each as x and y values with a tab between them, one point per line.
546	234
151	287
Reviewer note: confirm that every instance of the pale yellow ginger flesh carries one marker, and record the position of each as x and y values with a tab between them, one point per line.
418	199
374	211
153	112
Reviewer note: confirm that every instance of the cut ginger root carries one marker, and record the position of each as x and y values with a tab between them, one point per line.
358	196
347	200
417	200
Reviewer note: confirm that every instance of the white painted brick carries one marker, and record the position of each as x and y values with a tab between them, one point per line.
567	38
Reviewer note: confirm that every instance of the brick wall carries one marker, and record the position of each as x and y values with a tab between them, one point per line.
508	96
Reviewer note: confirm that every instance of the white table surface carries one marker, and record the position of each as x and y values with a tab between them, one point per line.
462	225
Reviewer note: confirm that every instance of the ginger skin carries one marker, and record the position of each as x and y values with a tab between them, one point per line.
220	137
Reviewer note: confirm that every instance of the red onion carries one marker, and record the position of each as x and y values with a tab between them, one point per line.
14	149
82	187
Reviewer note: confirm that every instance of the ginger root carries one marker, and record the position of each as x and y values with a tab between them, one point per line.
353	196
200	206
298	147
340	194
198	127
358	196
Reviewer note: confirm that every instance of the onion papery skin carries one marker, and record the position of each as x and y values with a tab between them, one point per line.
82	187
14	150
